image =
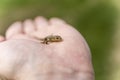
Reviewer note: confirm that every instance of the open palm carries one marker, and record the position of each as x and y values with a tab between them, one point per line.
23	57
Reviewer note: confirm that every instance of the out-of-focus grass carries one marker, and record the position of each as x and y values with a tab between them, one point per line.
93	18
114	59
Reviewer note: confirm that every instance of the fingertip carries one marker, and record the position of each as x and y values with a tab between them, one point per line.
28	26
1	38
57	21
40	22
15	28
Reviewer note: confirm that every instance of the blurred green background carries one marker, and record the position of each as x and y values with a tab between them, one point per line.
95	19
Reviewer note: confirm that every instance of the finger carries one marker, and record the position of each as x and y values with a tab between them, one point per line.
41	22
15	28
28	26
59	26
56	21
1	38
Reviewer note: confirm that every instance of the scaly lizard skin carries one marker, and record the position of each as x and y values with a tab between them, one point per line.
51	38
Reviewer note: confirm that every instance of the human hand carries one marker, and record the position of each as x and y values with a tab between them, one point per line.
23	57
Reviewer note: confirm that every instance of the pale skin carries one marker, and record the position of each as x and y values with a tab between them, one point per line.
23	57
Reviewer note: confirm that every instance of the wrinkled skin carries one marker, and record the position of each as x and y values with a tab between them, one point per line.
23	57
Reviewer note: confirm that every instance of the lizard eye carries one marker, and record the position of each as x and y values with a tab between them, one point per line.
57	38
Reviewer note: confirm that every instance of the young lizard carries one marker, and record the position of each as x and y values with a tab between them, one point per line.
50	39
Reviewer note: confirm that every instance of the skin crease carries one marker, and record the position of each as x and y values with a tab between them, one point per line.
22	57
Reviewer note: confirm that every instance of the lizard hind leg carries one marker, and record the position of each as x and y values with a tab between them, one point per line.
44	42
